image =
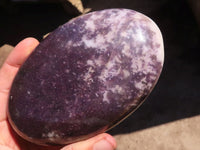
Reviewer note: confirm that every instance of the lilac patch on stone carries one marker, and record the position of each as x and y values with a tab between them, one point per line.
86	76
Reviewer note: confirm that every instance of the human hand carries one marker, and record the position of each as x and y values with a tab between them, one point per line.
9	140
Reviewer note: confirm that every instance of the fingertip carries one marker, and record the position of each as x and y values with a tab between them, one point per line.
111	140
27	44
94	143
21	51
105	142
29	40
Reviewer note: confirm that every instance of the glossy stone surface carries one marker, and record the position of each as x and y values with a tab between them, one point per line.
86	76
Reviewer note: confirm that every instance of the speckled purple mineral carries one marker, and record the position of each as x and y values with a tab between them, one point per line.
86	76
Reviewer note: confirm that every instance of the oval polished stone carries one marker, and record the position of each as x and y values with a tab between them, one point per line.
86	76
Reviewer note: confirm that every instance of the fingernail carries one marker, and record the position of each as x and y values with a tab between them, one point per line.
103	145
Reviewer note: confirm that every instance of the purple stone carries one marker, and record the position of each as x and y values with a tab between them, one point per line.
86	76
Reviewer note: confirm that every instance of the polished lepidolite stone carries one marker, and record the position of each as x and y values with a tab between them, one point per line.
86	76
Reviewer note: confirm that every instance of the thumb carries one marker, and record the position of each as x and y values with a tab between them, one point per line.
103	141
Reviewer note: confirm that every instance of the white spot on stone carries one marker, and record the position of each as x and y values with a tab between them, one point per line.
52	136
149	84
57	75
141	84
54	84
100	39
89	42
117	89
153	77
99	61
69	43
98	42
97	95
90	25
126	73
126	50
136	65
124	34
70	115
111	69
28	92
117	59
17	113
66	102
42	82
74	73
105	97
90	62
67	70
140	35
76	44
58	39
88	75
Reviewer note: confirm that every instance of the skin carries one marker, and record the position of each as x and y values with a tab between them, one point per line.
9	140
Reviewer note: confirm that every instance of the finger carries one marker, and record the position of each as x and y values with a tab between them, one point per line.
5	147
14	61
10	68
103	141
